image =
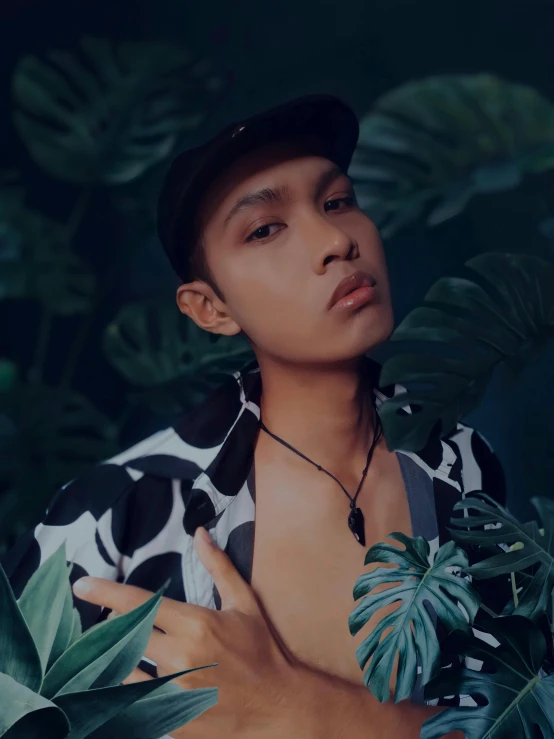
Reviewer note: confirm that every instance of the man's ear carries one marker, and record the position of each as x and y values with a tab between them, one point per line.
198	301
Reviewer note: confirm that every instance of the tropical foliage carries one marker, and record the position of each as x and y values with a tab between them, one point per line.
62	683
427	147
500	665
500	310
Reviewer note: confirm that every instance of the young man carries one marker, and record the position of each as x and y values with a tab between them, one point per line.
261	224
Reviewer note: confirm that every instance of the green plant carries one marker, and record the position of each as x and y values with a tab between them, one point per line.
173	361
427	147
512	692
104	119
500	310
59	682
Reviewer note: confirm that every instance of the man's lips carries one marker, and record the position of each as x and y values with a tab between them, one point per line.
358	279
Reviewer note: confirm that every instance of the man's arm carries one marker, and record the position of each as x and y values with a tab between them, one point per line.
338	709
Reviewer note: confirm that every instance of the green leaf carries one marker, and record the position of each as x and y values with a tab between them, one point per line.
48	584
38	717
91	709
536	547
66	625
19	657
154	346
429	145
415	581
505	313
56	434
519	696
109	114
37	261
90	656
165	710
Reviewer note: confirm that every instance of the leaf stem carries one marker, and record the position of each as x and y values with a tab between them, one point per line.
514	590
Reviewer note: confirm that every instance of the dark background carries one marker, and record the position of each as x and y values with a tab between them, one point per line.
268	53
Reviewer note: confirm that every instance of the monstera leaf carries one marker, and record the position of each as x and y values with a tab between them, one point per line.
431	144
109	117
154	346
36	260
535	548
518	694
415	582
503	310
50	436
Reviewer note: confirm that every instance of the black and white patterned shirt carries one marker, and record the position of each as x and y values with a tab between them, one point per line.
132	518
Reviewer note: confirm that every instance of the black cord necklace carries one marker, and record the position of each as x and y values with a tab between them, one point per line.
355	517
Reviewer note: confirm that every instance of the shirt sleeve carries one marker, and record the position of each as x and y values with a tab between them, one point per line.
490	475
79	515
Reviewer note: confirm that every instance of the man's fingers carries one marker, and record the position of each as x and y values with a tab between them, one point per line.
233	589
123	598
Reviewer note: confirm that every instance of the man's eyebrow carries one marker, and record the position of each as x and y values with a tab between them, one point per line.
268	195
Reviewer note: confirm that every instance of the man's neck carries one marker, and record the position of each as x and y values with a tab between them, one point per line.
326	412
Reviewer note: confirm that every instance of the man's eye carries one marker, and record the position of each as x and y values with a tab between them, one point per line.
261	233
348	201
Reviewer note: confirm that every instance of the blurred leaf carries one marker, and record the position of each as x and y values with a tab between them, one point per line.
430	145
518	695
108	117
8	375
503	311
153	345
535	547
36	260
54	435
411	633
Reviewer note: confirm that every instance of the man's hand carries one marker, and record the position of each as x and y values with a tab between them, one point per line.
260	686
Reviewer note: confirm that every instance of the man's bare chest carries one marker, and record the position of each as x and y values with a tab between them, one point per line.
306	561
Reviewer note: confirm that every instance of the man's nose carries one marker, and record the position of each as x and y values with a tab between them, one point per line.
329	242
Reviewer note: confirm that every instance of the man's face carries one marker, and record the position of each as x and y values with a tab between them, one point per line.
278	258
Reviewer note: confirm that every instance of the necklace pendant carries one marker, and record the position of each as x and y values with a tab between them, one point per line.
356	525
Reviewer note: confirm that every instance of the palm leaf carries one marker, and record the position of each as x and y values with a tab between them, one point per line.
110	116
503	311
432	144
417	582
519	695
536	547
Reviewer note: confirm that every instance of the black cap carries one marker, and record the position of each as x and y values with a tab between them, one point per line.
324	117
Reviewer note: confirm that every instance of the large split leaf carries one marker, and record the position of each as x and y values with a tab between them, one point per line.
54	435
415	582
428	146
535	550
519	695
36	259
503	311
154	346
113	113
